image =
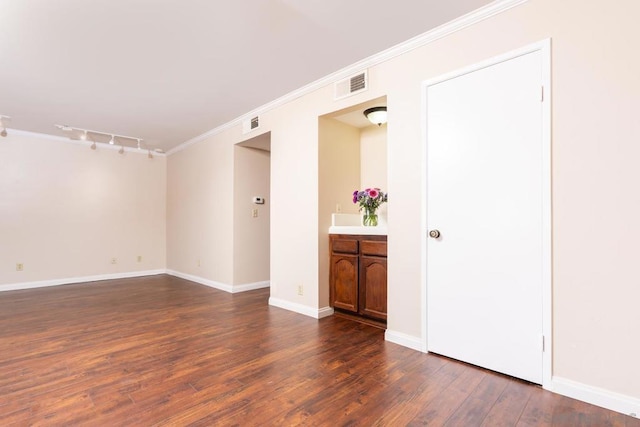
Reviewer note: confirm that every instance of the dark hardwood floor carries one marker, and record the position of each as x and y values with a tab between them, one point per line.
164	351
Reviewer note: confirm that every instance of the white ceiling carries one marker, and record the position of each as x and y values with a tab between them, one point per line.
168	70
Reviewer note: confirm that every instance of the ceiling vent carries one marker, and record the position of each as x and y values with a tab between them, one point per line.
350	85
250	125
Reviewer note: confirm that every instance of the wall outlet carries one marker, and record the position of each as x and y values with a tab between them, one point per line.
338	208
254	213
139	258
114	260
19	266
300	290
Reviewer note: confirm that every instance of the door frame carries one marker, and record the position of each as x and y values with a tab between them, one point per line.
544	47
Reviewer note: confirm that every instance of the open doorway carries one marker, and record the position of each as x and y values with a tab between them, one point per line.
251	210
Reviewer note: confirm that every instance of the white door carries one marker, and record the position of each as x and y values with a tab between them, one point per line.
485	197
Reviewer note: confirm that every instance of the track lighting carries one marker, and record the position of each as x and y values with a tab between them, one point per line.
4	120
102	137
150	155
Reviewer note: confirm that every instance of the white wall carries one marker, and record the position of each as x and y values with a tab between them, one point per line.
67	210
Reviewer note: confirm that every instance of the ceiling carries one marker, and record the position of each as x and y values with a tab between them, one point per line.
168	71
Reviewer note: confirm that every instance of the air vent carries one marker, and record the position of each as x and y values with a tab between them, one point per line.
351	85
250	125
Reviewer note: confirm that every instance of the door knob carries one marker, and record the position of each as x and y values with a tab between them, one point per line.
434	234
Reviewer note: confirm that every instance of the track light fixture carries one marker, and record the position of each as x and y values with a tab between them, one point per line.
150	155
102	137
4	120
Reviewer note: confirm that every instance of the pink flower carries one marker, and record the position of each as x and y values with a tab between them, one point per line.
373	193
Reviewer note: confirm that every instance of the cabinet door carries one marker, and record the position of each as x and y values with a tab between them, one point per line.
344	282
373	287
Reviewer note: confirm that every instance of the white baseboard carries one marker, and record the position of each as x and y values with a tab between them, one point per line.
403	339
325	312
250	286
596	396
202	281
302	309
72	280
218	285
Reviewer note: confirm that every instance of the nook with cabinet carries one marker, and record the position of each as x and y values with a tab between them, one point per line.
358	276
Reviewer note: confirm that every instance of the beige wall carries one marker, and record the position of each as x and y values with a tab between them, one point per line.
373	161
595	151
200	209
251	242
339	175
373	157
67	210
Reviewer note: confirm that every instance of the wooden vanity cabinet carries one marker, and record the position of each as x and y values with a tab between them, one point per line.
358	275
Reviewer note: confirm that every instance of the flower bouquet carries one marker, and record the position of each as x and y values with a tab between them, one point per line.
369	200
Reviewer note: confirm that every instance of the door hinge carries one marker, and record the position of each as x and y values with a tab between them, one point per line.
543	344
542	93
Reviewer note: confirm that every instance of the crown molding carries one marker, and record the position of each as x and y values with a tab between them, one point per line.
478	15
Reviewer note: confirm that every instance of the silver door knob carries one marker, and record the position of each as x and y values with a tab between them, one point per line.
434	234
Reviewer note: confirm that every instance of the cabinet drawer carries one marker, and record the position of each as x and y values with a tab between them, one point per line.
344	246
372	247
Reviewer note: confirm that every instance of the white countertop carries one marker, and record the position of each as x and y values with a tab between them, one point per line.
380	230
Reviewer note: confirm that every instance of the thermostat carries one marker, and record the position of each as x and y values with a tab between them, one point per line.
258	200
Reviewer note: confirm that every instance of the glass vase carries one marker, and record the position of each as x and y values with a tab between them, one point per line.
370	218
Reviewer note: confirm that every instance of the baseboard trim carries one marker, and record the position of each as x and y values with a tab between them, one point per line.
596	396
316	313
202	281
250	286
218	285
72	280
325	312
404	340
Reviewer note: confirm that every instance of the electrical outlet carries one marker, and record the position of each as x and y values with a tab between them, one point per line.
139	258
300	290
114	260
338	208
19	266
254	213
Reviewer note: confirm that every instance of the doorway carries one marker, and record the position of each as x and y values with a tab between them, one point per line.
251	225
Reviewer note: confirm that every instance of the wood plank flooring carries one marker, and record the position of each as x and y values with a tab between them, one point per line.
164	351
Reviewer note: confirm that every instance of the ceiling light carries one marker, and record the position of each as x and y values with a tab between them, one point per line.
121	150
84	136
94	146
150	155
376	115
112	140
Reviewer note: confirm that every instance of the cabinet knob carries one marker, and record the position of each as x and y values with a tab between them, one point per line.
434	234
